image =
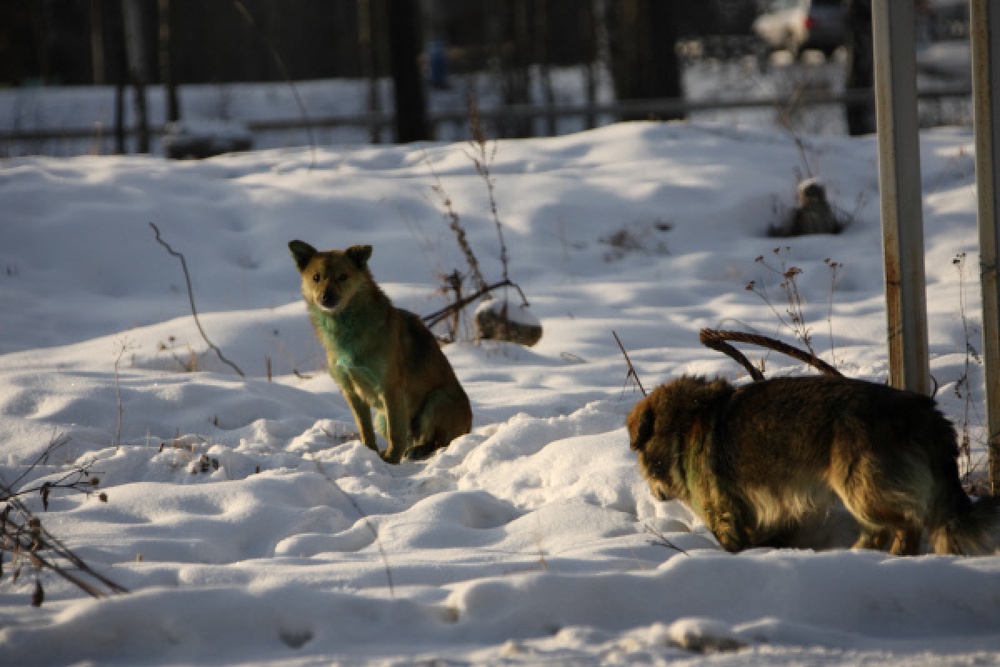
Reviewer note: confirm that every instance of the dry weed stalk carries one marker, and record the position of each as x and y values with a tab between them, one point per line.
661	539
631	368
188	363
835	269
963	387
482	154
796	320
125	347
27	544
455	224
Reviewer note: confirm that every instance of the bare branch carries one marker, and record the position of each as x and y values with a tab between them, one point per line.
26	539
631	368
437	316
194	311
716	340
712	340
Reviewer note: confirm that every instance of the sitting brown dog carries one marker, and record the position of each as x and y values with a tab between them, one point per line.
382	357
756	462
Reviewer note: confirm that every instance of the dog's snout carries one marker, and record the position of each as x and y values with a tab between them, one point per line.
329	299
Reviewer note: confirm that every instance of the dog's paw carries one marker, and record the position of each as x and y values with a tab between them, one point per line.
420	452
658	491
389	458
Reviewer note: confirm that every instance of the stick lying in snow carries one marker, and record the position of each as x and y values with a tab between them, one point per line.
194	311
631	368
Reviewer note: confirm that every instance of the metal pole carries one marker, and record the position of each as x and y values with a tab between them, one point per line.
984	19
893	33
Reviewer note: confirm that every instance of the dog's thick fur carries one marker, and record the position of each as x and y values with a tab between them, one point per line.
382	357
756	462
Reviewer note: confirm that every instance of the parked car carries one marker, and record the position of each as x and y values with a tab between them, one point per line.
797	25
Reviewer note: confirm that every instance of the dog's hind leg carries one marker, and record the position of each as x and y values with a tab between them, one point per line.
907	542
427	448
888	518
957	525
444	416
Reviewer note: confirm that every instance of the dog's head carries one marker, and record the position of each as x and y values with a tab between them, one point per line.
664	427
641	423
330	278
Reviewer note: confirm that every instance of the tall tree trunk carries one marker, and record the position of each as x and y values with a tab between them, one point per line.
517	61
166	63
366	47
405	39
542	57
594	28
860	67
135	48
96	43
121	81
645	64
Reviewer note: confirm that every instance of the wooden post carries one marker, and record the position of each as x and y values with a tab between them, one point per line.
984	19
901	196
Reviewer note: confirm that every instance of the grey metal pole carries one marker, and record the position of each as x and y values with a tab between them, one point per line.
893	33
984	18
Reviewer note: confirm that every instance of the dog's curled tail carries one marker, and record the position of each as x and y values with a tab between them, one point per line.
973	529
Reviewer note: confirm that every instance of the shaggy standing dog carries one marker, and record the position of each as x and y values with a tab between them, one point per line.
757	461
382	357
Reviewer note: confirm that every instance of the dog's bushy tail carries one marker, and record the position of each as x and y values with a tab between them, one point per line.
972	529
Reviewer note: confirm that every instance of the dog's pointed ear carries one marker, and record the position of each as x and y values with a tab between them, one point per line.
359	254
302	252
644	430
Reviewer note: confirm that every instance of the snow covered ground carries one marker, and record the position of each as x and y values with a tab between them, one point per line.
252	527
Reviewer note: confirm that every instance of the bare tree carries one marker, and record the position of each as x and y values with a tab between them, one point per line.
405	38
135	48
644	61
860	67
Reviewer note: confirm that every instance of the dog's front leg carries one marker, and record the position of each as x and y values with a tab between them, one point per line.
363	418
728	526
397	426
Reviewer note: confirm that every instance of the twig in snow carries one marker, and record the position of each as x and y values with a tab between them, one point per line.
194	311
663	541
26	539
118	394
631	368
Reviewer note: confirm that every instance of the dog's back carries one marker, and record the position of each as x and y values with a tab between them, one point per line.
761	458
890	455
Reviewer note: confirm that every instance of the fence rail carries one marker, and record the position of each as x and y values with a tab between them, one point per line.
652	108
